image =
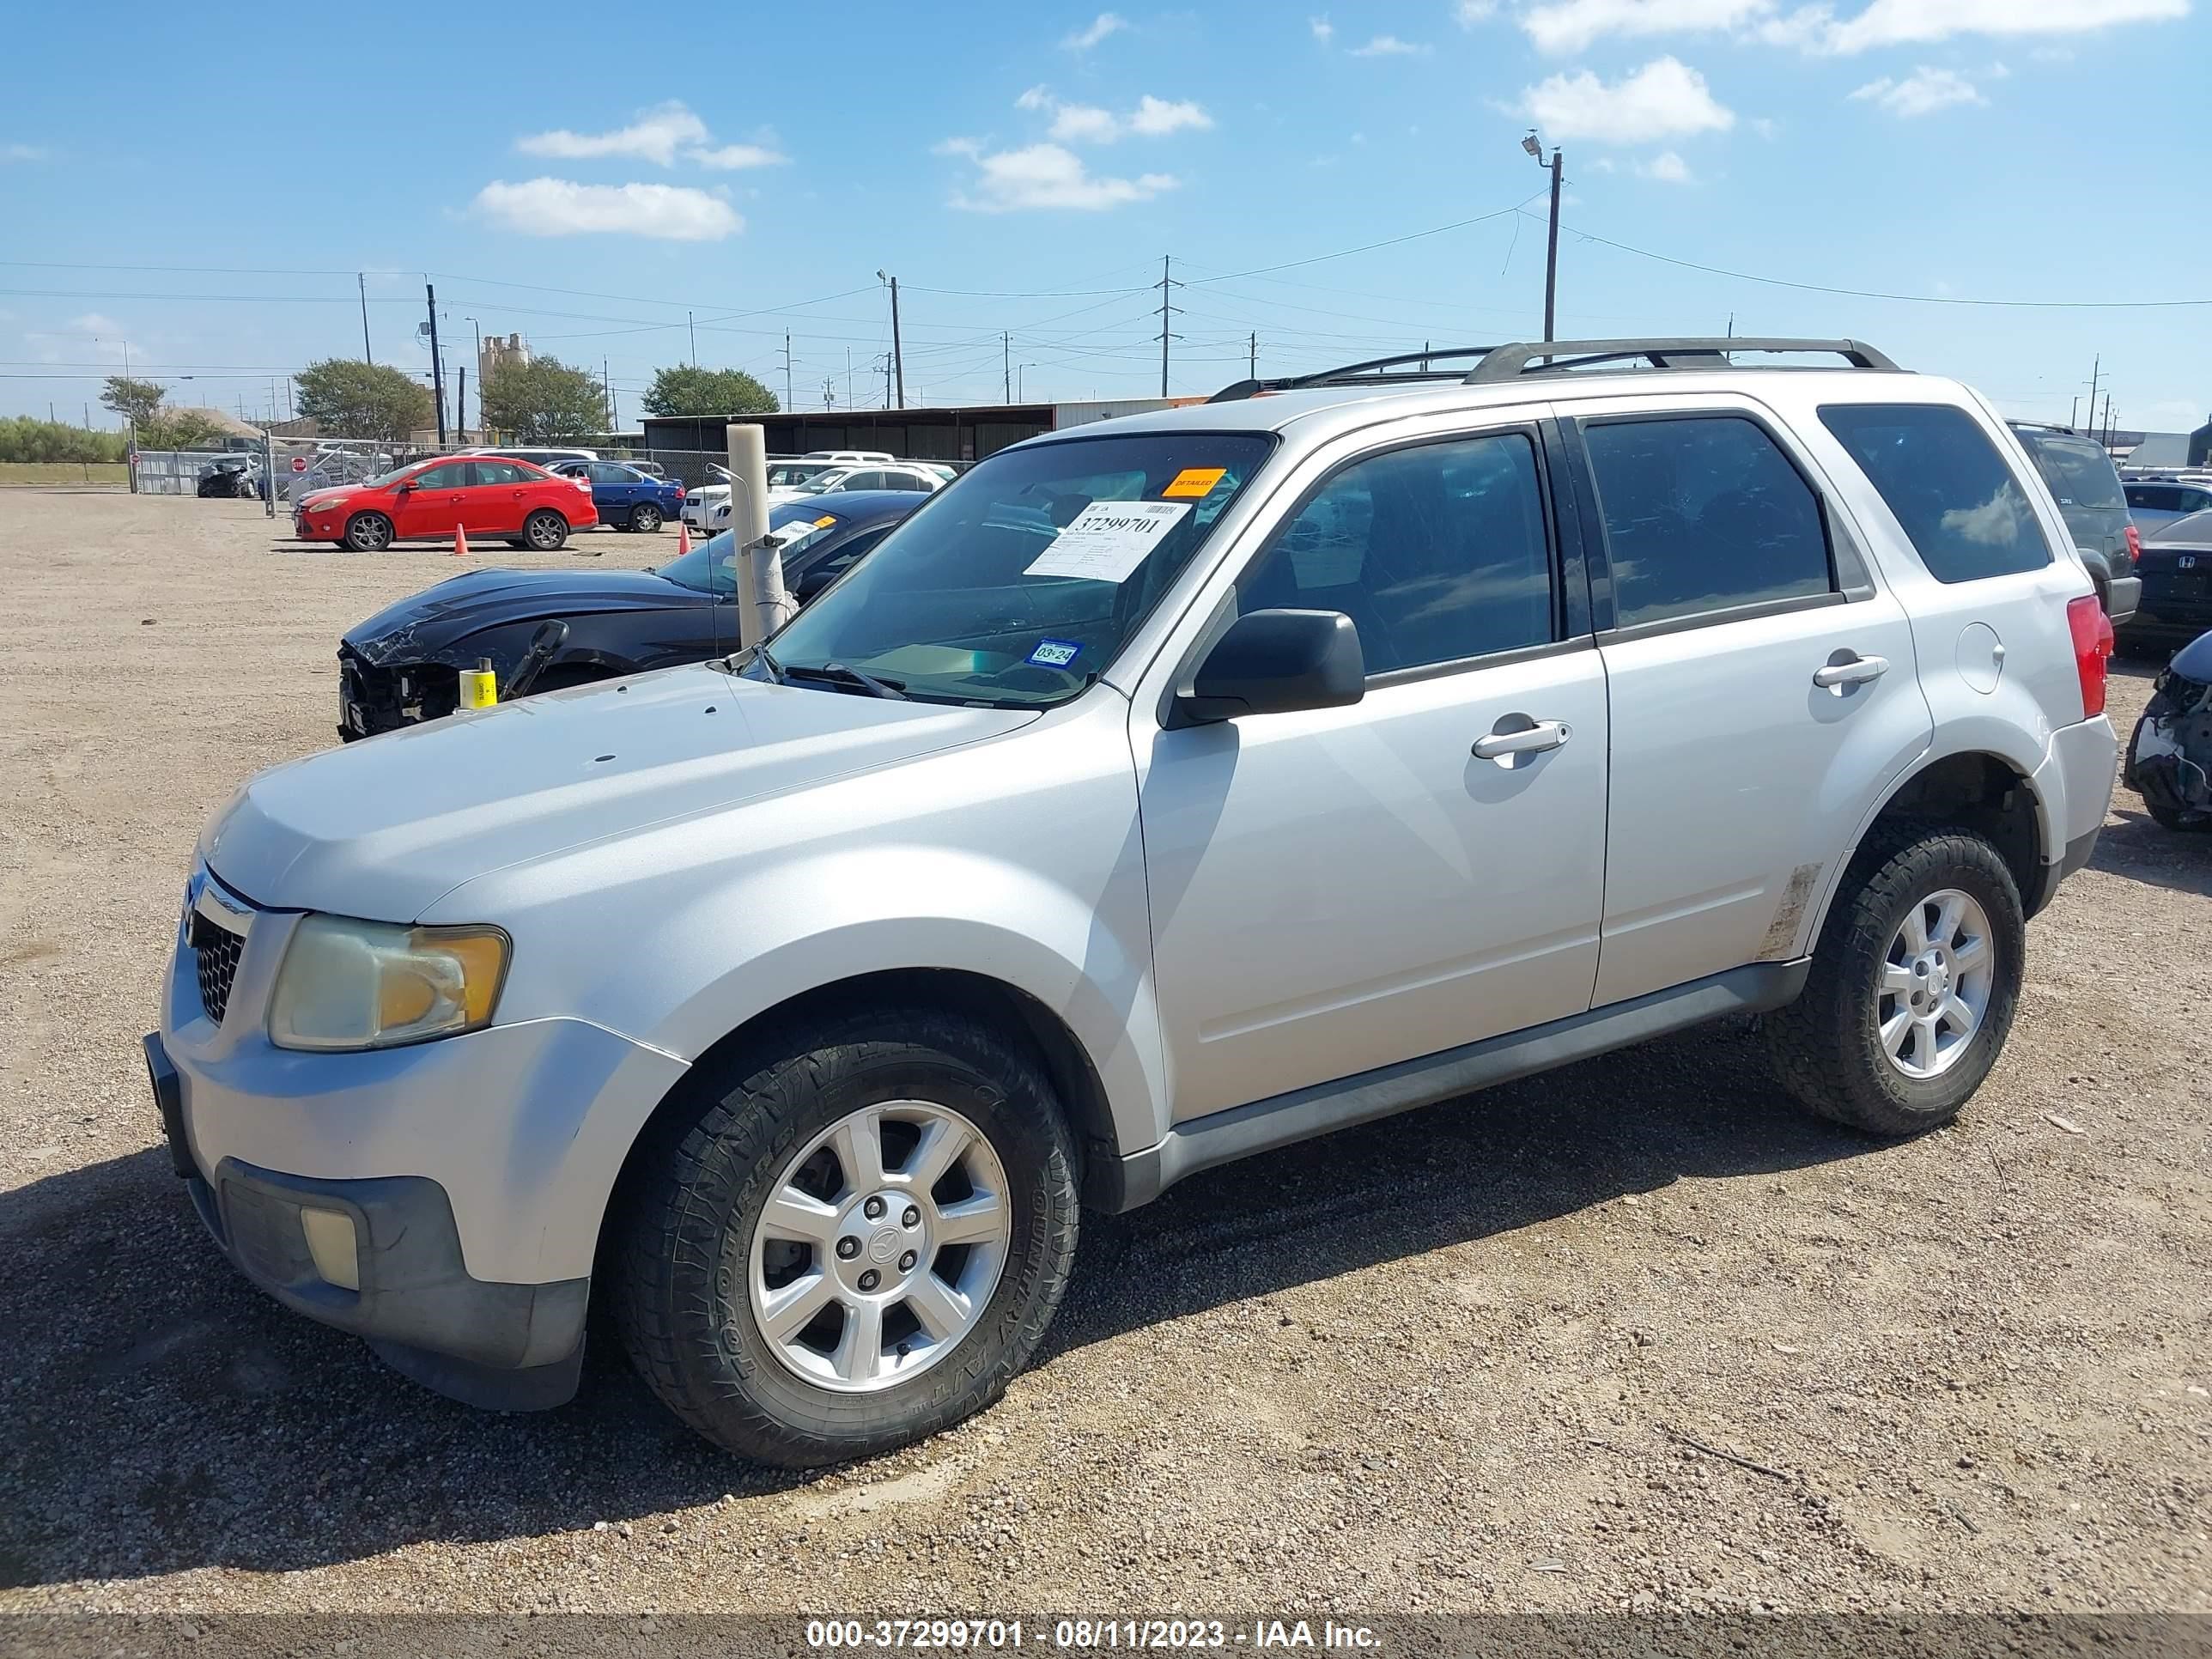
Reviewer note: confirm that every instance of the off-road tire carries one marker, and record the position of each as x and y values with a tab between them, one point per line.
363	535
545	531
645	517
680	1240
1826	1046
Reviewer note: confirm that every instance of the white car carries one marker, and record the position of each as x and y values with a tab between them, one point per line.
1174	788
714	509
708	507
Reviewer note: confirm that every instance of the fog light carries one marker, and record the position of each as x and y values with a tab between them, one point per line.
331	1243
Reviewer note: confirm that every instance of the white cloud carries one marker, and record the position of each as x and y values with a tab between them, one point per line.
2051	54
1574	25
1667	167
1765	127
1920	93
729	158
1389	46
655	136
1919	22
1106	23
1155	117
23	152
1087	123
1468	13
94	322
1048	176
1323	30
1665	99
561	207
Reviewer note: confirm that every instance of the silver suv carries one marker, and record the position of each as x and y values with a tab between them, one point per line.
1160	793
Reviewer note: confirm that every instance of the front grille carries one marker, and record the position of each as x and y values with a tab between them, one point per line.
215	953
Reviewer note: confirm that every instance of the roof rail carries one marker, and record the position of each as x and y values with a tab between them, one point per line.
1508	362
1497	364
1376	371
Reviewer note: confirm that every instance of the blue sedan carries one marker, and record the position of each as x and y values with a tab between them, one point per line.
627	498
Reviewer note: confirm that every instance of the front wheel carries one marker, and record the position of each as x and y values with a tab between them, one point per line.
1913	986
545	530
645	517
368	533
851	1241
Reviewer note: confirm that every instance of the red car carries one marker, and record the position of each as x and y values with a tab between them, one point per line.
513	501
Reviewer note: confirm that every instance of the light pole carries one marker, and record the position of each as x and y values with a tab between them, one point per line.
1018	368
1552	249
461	415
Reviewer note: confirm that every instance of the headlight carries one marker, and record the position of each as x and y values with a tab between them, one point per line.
347	984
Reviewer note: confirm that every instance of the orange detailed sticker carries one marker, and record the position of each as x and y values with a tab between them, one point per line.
1194	481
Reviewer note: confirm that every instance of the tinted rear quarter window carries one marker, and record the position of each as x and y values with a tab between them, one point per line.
1703	513
1961	507
2079	473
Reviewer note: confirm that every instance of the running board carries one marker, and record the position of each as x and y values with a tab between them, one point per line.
1283	1119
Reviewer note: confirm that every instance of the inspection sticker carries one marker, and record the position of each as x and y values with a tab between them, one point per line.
1107	540
1194	481
1054	654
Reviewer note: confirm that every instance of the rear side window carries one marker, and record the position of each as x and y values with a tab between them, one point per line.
2158	498
1957	502
1436	553
1704	513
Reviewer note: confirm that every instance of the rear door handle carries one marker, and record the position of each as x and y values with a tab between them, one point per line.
1527	737
1852	670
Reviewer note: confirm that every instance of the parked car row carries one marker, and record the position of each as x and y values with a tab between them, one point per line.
823	472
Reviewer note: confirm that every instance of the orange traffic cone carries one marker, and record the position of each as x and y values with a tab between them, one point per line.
460	541
682	538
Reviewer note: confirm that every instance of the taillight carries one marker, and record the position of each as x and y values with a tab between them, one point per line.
2093	649
2134	545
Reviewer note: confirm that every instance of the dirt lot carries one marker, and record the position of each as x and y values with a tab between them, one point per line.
1452	1362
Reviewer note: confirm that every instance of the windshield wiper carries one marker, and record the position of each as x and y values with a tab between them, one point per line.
838	674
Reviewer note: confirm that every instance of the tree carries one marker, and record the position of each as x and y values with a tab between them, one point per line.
350	398
684	390
177	428
134	400
542	401
24	439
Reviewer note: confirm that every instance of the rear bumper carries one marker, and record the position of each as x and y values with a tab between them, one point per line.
2123	598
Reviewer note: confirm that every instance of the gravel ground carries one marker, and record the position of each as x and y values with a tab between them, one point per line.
1637	1334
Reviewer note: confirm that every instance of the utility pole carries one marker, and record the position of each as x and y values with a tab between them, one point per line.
2073	413
360	282
2095	368
1252	357
886	361
787	402
1166	285
828	391
1006	364
694	327
437	363
898	354
1552	256
848	377
607	391
461	405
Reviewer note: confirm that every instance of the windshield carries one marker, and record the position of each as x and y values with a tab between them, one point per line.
712	566
397	472
2079	474
1017	583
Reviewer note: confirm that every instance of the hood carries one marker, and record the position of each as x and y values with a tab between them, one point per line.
383	828
427	621
328	496
2194	661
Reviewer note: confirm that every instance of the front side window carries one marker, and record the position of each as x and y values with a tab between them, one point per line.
1703	513
1951	494
1436	552
1018	585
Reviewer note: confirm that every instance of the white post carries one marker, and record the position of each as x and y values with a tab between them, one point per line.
763	604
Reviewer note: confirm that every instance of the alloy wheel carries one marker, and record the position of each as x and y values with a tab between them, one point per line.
880	1246
1936	982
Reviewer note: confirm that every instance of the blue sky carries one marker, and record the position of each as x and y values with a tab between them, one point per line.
169	188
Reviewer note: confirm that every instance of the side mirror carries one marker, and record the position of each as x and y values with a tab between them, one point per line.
406	487
1275	662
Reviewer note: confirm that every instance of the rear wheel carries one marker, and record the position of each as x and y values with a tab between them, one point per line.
545	530
645	517
368	533
1913	986
850	1241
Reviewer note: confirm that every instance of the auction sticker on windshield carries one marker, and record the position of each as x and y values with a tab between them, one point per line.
1107	540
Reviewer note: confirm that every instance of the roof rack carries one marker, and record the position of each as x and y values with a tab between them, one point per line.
1494	364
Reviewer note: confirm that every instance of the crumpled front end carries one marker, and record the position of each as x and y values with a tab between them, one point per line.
2169	762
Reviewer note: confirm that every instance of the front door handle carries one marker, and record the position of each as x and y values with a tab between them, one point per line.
1852	670
1517	734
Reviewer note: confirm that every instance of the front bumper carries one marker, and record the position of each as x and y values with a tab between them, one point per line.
475	1171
